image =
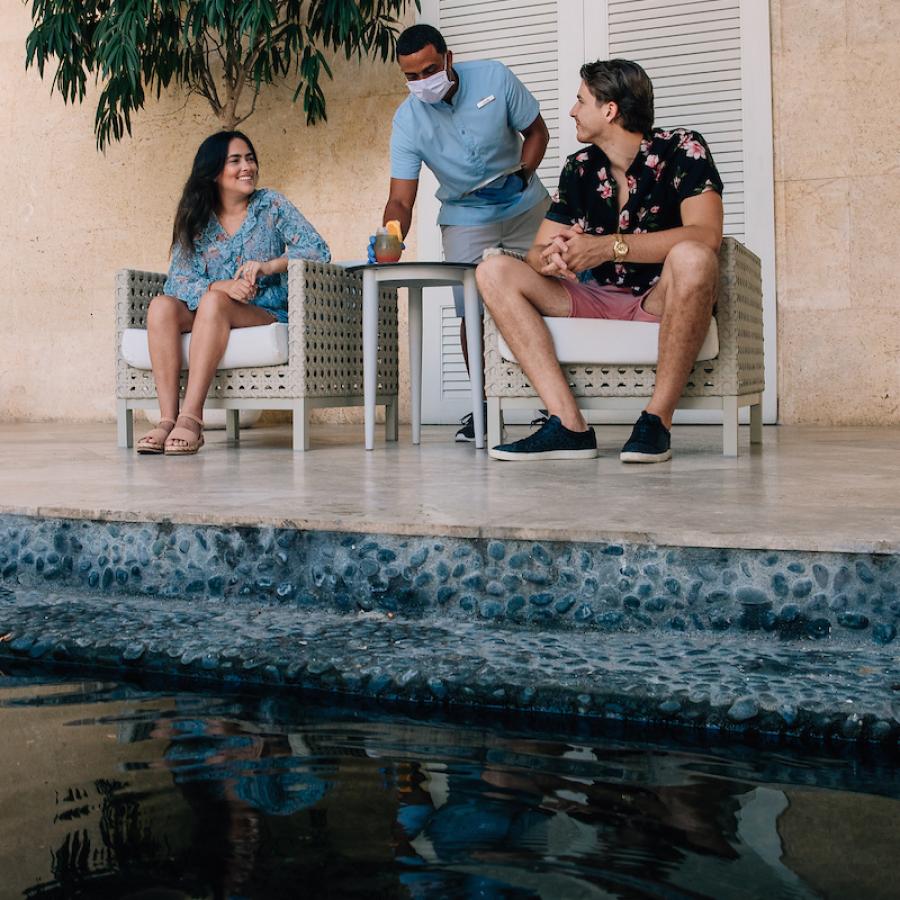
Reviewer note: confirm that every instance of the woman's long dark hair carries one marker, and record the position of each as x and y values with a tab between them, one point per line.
200	196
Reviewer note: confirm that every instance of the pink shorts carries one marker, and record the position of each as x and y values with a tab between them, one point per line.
605	301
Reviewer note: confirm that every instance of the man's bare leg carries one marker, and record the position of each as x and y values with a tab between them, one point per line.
684	297
518	297
464	342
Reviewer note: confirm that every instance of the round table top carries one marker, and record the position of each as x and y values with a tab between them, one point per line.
409	263
417	274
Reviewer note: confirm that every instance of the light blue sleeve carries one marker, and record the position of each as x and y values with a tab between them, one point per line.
301	240
187	279
521	106
406	161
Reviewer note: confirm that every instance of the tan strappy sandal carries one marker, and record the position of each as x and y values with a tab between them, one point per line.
154	441
190	443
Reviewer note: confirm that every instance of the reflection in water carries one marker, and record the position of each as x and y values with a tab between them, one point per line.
121	793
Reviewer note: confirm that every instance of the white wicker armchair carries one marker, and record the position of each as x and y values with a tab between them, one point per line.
324	367
730	381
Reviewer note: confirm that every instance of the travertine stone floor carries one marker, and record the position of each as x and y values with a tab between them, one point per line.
807	488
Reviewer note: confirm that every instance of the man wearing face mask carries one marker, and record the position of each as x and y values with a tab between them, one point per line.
466	122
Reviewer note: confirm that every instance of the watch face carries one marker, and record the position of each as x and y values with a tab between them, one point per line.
620	249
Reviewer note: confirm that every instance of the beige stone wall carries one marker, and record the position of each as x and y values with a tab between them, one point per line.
70	216
819	826
836	64
50	794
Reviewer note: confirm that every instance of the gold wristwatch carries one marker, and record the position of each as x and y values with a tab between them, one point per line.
619	248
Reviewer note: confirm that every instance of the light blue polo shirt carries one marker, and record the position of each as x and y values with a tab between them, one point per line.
463	142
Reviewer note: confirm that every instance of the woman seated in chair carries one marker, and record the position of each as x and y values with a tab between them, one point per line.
230	249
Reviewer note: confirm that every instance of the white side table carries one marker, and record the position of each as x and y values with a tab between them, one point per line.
414	276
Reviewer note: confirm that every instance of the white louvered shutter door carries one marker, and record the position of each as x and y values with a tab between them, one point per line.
691	49
710	61
522	34
525	36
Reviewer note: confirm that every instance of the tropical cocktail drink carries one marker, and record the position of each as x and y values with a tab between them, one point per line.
388	243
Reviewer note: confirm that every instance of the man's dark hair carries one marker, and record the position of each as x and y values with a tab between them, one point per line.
418	37
627	85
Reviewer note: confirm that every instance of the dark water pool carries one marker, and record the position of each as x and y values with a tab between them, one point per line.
111	791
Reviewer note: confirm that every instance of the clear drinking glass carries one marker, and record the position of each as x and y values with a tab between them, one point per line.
387	247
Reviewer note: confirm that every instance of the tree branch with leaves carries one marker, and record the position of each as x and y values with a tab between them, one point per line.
222	50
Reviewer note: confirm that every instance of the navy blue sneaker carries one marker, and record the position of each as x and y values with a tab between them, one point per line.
466	434
650	441
552	441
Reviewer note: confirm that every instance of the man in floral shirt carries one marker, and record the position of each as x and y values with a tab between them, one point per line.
633	233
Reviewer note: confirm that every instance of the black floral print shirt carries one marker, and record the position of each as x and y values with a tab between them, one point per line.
670	166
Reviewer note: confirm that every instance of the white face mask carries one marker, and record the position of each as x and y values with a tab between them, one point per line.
432	89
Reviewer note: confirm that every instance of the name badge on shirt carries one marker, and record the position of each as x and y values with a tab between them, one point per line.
484	102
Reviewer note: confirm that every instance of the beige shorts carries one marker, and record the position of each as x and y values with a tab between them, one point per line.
466	243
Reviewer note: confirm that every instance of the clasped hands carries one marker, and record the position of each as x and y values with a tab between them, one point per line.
243	286
572	251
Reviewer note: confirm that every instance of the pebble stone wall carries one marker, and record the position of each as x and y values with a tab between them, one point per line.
604	586
786	643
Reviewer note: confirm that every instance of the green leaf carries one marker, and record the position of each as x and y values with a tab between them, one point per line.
216	48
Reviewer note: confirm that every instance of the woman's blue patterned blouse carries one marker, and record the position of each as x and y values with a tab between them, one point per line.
273	226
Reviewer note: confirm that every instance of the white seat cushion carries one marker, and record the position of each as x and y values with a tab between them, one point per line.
609	341
261	345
